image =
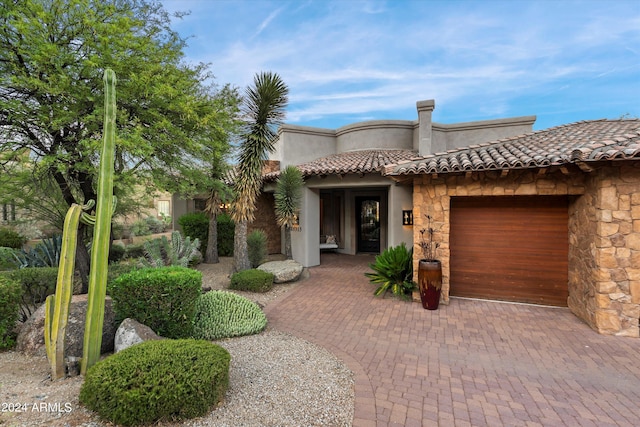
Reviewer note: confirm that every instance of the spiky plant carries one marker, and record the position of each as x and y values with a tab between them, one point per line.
179	252
288	196
263	109
393	270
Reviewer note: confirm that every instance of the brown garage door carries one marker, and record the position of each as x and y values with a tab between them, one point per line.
510	248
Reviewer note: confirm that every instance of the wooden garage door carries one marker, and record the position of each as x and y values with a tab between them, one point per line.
510	248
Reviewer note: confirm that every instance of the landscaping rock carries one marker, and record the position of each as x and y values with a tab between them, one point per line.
284	271
31	337
131	332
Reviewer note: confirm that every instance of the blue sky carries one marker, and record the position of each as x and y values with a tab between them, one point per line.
349	61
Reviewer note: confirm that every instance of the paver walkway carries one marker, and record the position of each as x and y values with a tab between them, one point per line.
471	363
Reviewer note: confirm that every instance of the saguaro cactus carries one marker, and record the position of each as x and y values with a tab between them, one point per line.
101	231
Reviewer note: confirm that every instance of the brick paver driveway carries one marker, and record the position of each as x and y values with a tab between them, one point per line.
471	363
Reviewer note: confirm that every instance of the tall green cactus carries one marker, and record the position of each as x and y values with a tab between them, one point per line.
57	305
101	231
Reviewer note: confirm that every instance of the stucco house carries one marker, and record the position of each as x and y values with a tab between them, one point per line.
550	217
346	197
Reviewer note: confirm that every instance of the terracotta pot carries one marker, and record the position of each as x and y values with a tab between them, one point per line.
430	283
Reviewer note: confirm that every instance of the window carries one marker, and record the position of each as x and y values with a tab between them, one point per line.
164	208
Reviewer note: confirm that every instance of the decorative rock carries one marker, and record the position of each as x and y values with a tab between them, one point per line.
130	332
31	337
284	271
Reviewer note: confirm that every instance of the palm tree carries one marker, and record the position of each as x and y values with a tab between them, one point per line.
263	109
288	196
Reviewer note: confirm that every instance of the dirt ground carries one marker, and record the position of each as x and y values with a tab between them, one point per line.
29	398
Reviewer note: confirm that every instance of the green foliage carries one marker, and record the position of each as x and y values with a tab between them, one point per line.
11	239
165	380
222	314
8	260
393	270
288	195
252	280
161	298
257	247
196	226
140	228
226	230
161	252
116	253
117	269
155	225
10	293
37	284
134	251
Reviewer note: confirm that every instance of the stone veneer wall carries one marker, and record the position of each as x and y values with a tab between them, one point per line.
607	295
604	232
265	220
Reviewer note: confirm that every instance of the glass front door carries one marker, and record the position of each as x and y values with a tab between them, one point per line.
368	223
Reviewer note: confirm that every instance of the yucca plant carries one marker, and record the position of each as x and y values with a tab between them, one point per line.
288	196
393	270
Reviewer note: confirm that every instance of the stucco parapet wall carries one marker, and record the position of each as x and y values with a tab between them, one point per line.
307	130
485	124
376	125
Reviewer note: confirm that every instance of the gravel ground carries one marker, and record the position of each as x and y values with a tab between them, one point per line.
276	379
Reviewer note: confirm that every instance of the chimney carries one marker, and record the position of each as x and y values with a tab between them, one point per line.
425	141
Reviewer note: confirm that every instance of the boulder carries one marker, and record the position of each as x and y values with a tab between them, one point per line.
31	337
130	332
283	271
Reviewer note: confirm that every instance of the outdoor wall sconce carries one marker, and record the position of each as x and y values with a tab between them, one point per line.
407	217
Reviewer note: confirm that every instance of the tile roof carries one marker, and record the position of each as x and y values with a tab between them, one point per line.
360	161
585	141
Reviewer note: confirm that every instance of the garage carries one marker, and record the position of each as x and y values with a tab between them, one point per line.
510	248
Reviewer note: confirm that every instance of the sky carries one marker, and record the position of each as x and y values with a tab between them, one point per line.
350	61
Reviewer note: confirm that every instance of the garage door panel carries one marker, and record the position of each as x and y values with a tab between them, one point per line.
510	248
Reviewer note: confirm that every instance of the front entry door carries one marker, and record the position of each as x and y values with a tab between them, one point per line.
368	223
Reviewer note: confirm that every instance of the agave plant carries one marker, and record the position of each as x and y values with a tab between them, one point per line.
44	254
180	251
393	270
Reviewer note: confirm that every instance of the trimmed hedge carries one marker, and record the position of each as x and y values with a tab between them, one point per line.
162	298
156	381
252	280
10	294
196	226
222	314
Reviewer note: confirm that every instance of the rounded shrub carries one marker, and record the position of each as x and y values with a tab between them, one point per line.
257	247
222	314
10	295
11	239
161	298
156	381
116	253
252	280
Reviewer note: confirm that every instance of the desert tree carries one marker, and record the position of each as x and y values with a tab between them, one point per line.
288	196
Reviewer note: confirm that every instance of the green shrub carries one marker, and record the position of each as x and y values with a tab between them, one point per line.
10	294
252	280
155	225
257	247
161	298
140	228
117	269
157	381
11	239
134	251
116	253
393	270
44	254
37	284
222	314
196	226
8	259
226	232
